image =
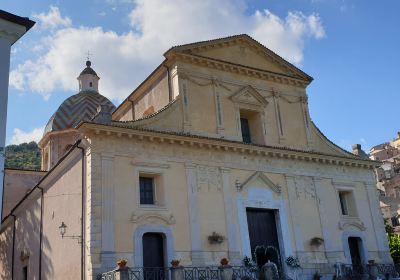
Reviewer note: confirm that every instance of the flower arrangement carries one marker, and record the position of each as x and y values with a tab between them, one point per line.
122	263
175	263
215	238
293	262
224	261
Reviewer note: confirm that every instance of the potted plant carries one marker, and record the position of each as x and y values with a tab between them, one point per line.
224	262
317	276
175	263
122	263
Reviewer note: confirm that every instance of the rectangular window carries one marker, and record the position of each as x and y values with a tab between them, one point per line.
25	273
244	123
343	203
347	203
146	190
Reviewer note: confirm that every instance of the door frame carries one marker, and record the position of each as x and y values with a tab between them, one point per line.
262	198
362	247
169	251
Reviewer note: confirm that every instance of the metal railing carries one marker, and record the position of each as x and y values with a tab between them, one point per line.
189	273
343	271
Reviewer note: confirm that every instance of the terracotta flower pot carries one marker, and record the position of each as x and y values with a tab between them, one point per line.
175	263
224	261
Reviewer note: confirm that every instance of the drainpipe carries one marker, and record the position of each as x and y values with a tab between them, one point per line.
83	217
13	248
41	232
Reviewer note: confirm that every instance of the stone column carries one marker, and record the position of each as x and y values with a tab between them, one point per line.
225	272
230	218
191	179
122	273
12	28
177	273
107	221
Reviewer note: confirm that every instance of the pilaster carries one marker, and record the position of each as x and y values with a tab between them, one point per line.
107	223
231	225
377	222
294	214
191	179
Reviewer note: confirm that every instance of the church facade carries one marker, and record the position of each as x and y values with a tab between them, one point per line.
212	156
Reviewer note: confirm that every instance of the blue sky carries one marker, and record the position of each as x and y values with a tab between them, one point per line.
350	47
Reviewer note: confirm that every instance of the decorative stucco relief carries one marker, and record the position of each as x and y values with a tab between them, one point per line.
305	189
345	224
208	178
153	218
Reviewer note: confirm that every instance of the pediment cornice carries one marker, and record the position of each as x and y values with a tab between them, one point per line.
263	178
240	69
248	95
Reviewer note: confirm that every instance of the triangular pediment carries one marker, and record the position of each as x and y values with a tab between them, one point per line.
242	50
260	177
249	95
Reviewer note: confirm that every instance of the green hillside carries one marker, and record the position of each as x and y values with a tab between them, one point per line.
23	156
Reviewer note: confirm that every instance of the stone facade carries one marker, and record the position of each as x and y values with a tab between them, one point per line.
206	178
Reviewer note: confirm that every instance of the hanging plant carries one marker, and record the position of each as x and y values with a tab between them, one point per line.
215	238
316	241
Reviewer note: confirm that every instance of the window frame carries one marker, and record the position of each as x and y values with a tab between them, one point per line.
352	210
153	190
158	186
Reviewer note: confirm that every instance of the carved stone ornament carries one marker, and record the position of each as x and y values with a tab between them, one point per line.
259	175
169	220
352	222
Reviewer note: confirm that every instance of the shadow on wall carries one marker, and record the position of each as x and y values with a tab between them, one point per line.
27	245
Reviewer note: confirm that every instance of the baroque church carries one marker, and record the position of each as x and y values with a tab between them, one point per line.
212	156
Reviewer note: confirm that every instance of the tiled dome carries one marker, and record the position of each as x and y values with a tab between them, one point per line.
77	108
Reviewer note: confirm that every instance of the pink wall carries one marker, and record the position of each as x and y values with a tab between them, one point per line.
61	257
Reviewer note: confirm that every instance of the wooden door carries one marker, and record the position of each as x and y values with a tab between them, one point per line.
153	256
262	232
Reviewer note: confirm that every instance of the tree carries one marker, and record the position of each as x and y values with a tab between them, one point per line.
23	156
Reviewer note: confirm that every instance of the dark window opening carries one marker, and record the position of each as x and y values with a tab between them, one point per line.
395	221
146	190
343	203
244	123
25	273
90	84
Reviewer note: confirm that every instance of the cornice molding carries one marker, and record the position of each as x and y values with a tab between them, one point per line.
240	69
223	145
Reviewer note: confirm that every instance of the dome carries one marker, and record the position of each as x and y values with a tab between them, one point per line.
88	69
77	108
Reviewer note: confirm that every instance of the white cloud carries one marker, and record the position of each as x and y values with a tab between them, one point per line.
124	60
52	19
19	136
